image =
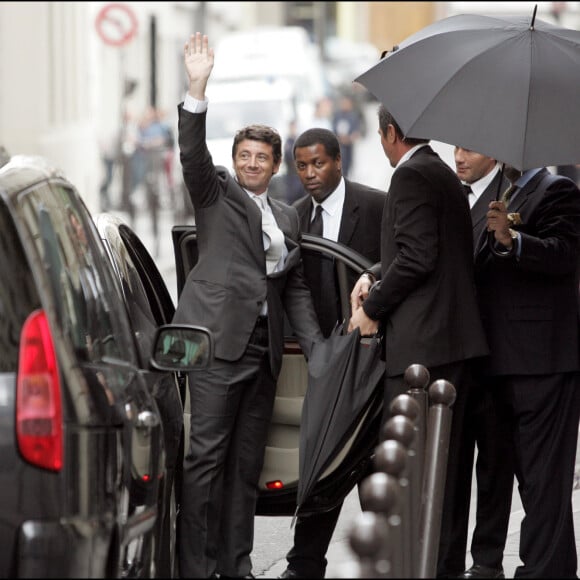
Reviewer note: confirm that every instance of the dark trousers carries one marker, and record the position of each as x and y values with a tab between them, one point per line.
545	413
461	375
487	425
312	536
231	408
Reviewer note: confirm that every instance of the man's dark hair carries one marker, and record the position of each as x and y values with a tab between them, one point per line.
386	119
261	133
318	136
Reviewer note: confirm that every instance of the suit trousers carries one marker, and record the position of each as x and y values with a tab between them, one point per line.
231	405
487	425
312	536
545	413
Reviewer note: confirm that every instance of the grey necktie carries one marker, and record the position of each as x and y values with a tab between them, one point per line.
316	223
275	237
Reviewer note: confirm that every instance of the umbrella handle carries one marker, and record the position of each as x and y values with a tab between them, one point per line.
490	235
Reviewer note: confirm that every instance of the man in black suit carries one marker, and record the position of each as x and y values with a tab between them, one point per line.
351	214
486	422
425	292
527	282
248	275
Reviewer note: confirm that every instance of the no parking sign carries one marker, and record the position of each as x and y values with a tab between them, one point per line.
116	24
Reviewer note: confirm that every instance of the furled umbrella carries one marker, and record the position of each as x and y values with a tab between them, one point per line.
508	88
345	373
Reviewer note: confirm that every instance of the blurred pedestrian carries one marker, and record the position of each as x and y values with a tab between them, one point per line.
486	422
110	150
248	275
347	127
424	297
153	141
527	283
129	174
351	215
292	189
323	111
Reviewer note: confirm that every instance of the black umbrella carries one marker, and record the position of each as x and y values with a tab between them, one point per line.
508	88
344	372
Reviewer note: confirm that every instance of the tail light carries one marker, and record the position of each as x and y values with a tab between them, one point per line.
38	402
276	484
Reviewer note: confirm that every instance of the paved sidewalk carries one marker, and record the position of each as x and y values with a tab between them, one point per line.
342	560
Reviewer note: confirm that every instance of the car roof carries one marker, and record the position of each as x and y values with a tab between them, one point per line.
23	171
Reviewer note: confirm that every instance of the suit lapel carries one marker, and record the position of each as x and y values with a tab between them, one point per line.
304	212
281	217
521	198
254	217
350	216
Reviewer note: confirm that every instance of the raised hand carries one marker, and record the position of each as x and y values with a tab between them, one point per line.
198	59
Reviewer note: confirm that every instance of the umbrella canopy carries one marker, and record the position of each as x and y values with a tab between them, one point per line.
344	372
508	88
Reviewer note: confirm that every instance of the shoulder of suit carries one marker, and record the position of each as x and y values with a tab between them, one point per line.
302	204
281	205
354	187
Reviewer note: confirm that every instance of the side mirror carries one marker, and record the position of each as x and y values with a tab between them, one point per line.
182	347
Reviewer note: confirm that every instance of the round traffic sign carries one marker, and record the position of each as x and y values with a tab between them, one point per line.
116	24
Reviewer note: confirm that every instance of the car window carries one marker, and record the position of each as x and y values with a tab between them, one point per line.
18	295
140	300
83	289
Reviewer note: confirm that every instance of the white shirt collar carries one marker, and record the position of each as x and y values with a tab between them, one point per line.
332	214
479	186
262	196
410	153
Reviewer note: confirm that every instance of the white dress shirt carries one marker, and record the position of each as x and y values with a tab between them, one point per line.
331	212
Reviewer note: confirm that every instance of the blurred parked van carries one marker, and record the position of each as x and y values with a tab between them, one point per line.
275	53
236	104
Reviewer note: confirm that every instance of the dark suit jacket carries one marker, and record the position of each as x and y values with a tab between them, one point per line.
529	305
426	295
227	287
360	230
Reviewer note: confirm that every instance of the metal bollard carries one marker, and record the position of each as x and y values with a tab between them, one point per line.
391	458
407	406
381	493
442	396
368	536
417	378
402	429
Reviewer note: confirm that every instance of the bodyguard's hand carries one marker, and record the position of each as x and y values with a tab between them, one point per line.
360	291
359	319
497	222
198	59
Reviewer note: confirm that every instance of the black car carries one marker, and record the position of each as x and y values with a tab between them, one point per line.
279	478
91	418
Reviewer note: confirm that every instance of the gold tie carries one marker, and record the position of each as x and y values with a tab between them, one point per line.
514	218
506	195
